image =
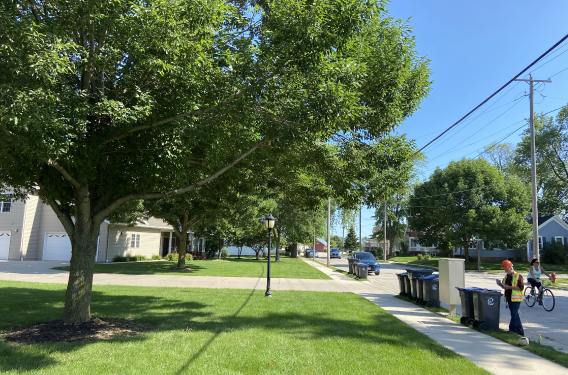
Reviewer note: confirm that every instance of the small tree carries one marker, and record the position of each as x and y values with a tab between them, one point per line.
351	242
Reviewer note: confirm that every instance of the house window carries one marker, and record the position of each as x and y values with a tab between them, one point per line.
559	239
412	242
5	203
540	243
173	247
135	241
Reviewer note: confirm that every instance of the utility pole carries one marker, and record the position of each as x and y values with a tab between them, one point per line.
385	234
536	253
360	244
328	230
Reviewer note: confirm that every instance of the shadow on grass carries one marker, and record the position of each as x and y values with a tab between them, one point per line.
301	315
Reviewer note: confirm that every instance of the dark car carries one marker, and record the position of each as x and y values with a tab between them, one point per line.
309	253
335	253
368	259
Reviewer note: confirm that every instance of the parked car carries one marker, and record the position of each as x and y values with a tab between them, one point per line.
368	259
309	254
335	253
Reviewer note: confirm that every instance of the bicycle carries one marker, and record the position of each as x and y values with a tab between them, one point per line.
546	297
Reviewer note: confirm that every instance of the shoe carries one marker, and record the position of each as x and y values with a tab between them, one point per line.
511	332
540	303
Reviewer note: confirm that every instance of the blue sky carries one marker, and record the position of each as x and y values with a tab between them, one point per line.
474	48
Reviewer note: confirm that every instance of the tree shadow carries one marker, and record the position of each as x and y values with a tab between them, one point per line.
174	309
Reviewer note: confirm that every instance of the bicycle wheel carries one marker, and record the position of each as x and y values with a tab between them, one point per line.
548	300
530	299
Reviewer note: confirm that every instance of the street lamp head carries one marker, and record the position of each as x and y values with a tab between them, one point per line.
269	221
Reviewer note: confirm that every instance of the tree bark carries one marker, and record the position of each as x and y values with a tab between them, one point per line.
83	251
294	250
277	245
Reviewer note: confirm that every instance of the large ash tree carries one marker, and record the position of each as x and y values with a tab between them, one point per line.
108	102
470	198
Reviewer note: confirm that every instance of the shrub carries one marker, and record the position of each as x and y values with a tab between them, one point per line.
156	257
419	256
174	256
139	258
225	253
287	253
119	258
404	248
555	253
131	258
426	256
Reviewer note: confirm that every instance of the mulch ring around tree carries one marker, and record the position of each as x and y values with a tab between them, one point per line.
56	331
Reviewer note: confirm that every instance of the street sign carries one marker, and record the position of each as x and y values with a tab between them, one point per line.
478	239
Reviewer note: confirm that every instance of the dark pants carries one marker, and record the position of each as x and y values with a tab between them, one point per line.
534	283
515	325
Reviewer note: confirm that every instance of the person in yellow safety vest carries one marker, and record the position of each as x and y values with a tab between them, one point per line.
514	287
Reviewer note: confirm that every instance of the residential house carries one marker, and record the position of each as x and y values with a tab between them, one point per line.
550	228
30	230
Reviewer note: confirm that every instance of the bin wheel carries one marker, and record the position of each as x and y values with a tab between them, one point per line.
484	326
377	273
462	320
472	322
430	304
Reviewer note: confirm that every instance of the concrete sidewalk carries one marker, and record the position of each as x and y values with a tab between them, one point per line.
489	353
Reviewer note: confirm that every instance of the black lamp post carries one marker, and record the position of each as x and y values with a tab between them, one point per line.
269	222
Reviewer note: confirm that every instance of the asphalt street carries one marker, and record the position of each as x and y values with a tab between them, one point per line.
550	325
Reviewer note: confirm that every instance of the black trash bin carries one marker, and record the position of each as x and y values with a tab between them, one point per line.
407	285
402	283
420	290
413	275
351	261
363	270
431	290
486	309
466	296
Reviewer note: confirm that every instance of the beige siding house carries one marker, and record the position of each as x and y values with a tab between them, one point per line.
30	230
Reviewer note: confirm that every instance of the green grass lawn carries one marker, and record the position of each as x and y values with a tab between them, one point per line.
291	268
232	332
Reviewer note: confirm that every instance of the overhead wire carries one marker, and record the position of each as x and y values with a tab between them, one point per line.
496	92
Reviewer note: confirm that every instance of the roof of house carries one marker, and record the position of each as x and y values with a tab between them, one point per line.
544	219
322	241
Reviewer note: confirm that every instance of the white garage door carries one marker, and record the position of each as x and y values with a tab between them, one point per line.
4	245
57	247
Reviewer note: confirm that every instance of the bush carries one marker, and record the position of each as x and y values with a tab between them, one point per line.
419	256
119	258
426	256
174	256
139	258
156	257
225	253
555	253
287	253
131	258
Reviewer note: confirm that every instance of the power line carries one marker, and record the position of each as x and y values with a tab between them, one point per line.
496	92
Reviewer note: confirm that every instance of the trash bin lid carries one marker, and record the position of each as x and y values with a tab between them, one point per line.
469	289
402	274
487	291
431	277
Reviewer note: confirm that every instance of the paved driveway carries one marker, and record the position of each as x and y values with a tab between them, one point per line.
551	325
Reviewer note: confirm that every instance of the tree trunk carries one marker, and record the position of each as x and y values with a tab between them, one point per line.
277	246
294	250
182	250
83	251
220	247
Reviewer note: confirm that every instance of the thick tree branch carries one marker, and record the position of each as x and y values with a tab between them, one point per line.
562	163
64	173
64	217
101	215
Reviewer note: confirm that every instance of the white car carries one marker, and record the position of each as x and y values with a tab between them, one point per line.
309	254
